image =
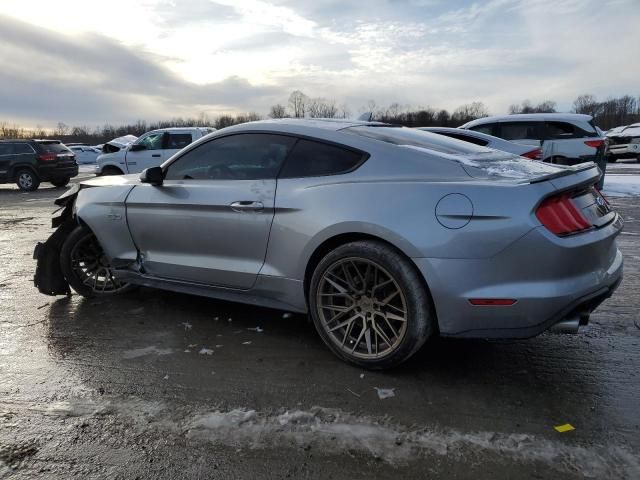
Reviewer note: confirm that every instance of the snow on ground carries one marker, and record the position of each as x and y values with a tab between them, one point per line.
621	185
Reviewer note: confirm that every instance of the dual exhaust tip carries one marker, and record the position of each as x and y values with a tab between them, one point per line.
570	324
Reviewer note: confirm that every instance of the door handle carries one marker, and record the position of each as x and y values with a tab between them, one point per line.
155	155
247	206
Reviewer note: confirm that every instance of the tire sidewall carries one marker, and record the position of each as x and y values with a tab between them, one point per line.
420	317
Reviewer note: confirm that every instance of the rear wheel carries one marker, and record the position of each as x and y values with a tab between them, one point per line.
86	267
60	182
370	305
26	180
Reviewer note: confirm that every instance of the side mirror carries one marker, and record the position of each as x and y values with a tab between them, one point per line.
152	175
136	147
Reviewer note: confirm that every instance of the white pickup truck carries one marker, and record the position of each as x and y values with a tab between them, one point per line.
149	150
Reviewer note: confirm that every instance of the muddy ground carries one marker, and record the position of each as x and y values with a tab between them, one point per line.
162	385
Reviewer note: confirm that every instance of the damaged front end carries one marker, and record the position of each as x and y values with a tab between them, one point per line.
49	278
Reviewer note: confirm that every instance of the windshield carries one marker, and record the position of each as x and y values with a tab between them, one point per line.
410	137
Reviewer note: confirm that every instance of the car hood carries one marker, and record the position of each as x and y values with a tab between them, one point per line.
108	180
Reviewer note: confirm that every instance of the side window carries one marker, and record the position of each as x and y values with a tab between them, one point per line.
6	148
22	148
314	159
486	128
249	156
177	141
560	130
152	142
519	131
466	138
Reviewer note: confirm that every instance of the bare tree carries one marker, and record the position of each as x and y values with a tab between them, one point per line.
278	111
298	104
61	129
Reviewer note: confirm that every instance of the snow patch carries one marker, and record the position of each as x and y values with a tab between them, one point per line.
206	351
385	392
621	185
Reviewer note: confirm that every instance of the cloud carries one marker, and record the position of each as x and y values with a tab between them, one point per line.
89	79
170	57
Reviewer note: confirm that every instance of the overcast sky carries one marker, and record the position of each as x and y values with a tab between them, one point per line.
88	62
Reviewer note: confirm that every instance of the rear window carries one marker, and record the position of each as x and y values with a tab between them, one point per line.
560	130
314	159
51	147
416	138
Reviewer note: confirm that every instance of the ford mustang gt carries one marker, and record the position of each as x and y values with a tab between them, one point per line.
385	235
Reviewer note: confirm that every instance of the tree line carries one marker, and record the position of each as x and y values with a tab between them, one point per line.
609	113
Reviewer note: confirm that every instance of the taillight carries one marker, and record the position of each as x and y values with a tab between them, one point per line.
594	143
561	216
533	154
47	157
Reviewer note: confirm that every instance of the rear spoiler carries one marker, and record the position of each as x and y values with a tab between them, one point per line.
570	170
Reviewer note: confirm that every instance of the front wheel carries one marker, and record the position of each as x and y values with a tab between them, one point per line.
370	305
86	267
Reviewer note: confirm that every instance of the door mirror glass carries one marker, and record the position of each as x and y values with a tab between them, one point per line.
152	175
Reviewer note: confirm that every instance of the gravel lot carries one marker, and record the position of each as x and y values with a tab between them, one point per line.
156	384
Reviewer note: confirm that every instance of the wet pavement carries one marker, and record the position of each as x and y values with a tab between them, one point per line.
162	385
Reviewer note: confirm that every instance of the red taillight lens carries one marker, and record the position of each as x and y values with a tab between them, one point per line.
594	143
47	157
533	154
561	216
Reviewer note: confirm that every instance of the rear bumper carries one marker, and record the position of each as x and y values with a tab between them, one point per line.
551	279
58	171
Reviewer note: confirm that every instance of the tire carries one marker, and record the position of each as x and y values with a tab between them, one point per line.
60	182
27	180
111	171
344	310
85	267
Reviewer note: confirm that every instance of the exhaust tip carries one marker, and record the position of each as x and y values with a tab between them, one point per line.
568	325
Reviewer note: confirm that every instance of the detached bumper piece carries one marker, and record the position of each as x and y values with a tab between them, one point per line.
48	277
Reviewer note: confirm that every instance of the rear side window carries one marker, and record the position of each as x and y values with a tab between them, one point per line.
465	138
6	148
21	148
178	140
560	130
486	129
315	159
53	147
519	131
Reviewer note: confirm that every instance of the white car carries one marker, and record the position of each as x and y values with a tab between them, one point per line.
149	150
488	141
624	142
568	138
85	154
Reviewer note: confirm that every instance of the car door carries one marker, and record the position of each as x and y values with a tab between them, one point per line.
145	152
209	221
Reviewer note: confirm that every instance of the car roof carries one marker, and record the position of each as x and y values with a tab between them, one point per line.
178	129
523	117
322	124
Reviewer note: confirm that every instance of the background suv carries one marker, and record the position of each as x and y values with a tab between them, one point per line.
565	138
29	162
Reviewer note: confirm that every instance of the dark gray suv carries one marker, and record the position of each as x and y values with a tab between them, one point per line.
29	162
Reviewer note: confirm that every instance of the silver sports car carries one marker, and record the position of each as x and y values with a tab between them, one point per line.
385	235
